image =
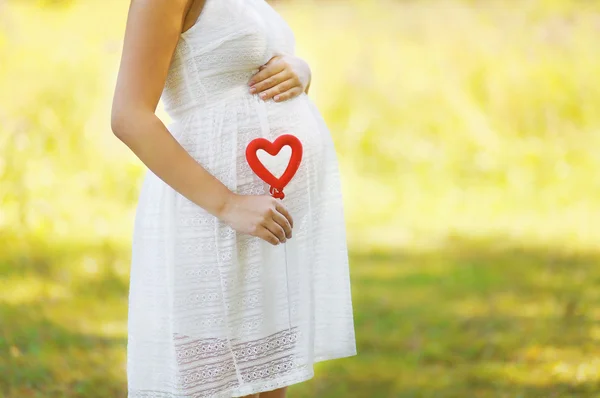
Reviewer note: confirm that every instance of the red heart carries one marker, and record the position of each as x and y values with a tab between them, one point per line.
273	148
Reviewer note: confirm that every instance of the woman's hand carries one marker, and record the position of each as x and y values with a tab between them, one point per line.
258	215
282	78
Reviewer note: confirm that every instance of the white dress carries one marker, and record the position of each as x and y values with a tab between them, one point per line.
213	312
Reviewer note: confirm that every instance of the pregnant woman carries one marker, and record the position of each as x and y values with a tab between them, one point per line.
232	293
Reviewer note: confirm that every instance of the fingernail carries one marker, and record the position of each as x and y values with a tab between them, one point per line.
263	95
252	90
276	98
251	83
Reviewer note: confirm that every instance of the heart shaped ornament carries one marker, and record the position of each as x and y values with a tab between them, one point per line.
277	184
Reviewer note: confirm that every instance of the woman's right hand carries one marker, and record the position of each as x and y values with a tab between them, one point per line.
258	215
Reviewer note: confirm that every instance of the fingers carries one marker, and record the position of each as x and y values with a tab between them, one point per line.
282	210
276	230
291	93
262	232
283	222
269	82
266	235
273	67
279	89
276	80
277	225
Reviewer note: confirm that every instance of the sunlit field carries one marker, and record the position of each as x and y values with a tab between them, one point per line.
468	135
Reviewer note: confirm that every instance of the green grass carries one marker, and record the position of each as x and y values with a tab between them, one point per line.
488	318
467	135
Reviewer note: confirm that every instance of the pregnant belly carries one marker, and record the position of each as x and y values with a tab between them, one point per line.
273	120
291	117
217	138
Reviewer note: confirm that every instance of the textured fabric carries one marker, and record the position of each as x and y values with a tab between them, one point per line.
213	312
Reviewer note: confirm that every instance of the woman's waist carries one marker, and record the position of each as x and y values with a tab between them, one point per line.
243	118
245	110
203	103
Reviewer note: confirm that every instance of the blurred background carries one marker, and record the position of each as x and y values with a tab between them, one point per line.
467	135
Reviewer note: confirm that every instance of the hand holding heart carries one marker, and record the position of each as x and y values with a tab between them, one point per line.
282	78
259	215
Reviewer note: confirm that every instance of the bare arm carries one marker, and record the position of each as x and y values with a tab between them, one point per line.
152	32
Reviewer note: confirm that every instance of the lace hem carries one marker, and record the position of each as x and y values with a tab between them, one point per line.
296	377
288	380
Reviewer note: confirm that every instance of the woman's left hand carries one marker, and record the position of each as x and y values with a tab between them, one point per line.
282	78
